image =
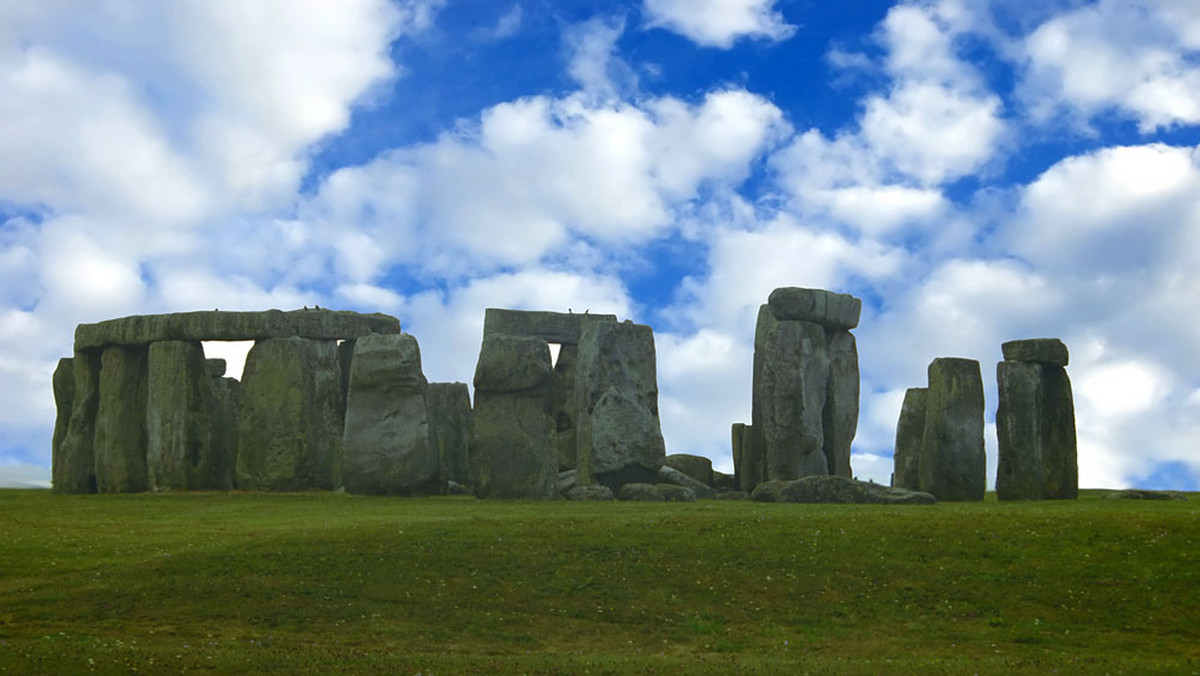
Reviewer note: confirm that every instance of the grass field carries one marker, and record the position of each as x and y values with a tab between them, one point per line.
236	583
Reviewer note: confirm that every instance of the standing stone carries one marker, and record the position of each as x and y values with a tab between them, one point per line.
187	444
1060	452
952	464
840	419
791	378
75	466
747	456
514	453
450	426
1020	470
619	435
120	441
562	402
910	434
345	357
290	432
64	399
387	447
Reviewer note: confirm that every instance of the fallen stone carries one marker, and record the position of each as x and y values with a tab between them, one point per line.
724	482
455	488
733	495
1020	470
386	446
1143	494
120	441
450	424
952	463
834	310
552	327
1036	350
910	433
837	490
642	492
670	475
290	434
74	468
218	325
595	493
697	467
840	416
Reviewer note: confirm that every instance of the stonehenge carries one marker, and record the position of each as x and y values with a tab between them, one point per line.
1035	423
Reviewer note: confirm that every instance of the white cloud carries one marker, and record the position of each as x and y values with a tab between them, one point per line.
719	23
593	62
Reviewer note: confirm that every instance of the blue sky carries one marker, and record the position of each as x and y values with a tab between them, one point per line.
976	171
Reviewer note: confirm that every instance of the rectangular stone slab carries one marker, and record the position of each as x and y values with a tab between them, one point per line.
219	325
1036	350
552	327
833	310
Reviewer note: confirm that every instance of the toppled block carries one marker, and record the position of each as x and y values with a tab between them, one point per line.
833	489
833	310
670	475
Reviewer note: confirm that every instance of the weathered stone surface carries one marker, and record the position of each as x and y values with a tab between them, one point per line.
670	475
1143	494
840	416
910	434
1020	470
216	367
589	493
567	479
514	453
188	444
450	426
834	310
696	466
733	495
345	351
747	456
837	490
552	327
1060	451
1036	350
619	436
290	433
563	407
791	379
120	441
64	399
952	464
74	469
217	325
655	493
386	446
724	482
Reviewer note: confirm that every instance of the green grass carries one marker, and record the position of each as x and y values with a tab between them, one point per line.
234	583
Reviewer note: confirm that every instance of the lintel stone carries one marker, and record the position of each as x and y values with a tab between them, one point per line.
833	310
552	327
1037	351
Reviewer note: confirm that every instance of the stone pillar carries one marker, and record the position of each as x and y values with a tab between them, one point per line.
187	437
952	464
840	418
910	433
1035	423
450	429
563	406
514	453
120	441
64	400
747	456
619	437
386	444
290	431
74	468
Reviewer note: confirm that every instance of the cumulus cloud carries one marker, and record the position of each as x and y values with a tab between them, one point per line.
719	23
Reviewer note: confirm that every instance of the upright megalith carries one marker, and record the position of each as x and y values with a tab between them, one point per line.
747	455
188	443
619	437
450	425
74	468
1035	423
952	465
290	428
386	446
805	389
910	434
120	441
563	405
64	399
514	452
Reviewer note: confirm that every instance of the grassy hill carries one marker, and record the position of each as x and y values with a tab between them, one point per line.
234	583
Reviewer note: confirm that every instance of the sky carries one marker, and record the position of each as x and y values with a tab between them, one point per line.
975	171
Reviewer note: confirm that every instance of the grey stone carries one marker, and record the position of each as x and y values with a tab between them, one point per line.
290	432
790	386
1020	470
74	469
952	464
670	475
345	351
840	416
724	482
910	434
216	367
747	456
513	364
1060	451
697	467
1036	350
188	446
567	479
455	488
834	310
450	425
563	406
733	495
1143	494
595	493
643	492
552	327
386	446
837	490
64	399
120	441
217	325
618	431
